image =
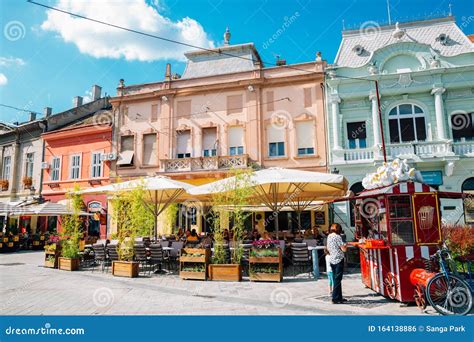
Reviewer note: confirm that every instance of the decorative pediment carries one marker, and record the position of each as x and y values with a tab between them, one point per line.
304	117
149	130
183	127
209	124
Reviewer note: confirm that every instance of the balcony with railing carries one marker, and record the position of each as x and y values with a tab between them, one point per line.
204	163
417	151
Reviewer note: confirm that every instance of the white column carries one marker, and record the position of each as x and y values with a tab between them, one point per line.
335	100
439	111
375	119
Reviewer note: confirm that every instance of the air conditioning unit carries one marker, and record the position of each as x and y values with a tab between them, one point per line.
44	166
108	156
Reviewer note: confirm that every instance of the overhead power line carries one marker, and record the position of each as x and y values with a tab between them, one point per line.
218	51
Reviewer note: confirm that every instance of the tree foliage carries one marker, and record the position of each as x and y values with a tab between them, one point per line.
228	204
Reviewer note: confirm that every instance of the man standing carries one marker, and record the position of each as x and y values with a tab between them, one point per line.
336	248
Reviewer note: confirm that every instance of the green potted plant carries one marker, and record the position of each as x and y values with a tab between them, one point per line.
235	195
71	233
133	219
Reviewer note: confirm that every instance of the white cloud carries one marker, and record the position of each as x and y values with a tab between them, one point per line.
3	79
11	61
100	40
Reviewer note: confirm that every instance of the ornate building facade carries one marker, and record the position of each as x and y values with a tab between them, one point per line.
425	74
226	111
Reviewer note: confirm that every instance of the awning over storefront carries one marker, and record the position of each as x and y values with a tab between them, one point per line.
38	209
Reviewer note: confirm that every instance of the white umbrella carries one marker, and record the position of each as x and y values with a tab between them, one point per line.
278	187
163	191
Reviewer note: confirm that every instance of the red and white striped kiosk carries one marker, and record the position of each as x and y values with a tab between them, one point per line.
399	228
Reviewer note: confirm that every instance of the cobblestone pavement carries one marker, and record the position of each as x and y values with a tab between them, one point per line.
27	288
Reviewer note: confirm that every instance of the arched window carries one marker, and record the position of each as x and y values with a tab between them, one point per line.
468	188
407	123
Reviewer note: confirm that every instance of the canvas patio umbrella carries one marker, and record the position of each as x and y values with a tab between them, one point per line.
162	191
278	187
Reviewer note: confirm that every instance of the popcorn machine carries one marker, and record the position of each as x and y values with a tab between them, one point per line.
399	228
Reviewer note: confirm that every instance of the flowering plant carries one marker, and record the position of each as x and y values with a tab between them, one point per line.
459	239
265	243
54	239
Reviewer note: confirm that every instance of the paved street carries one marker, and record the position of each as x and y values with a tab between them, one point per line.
27	288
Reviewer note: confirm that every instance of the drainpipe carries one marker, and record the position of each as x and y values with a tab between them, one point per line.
323	90
44	125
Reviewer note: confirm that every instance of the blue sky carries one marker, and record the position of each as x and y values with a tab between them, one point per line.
47	60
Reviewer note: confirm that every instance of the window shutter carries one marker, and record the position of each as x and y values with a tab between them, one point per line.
270	103
184	142
234	104
275	134
209	136
236	136
154	113
127	143
149	149
305	134
308	101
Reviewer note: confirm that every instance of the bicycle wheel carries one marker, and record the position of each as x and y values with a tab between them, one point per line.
449	295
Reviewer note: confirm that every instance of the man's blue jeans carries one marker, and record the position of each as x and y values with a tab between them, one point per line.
337	271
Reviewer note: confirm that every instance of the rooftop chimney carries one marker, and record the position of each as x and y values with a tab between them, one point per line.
168	72
96	90
32	116
47	111
77	101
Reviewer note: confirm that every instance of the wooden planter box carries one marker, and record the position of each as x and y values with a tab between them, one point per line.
125	268
54	262
68	264
278	277
225	272
186	259
266	260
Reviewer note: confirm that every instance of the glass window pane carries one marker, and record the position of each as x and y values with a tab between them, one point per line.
394	135
407	130
393	111
462	126
272	149
402	232
356	130
399	207
405	109
281	148
418	110
362	143
420	129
